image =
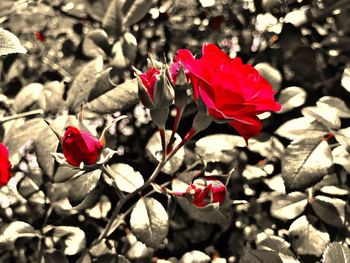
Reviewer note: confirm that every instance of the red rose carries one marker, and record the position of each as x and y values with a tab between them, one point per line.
149	80
80	146
206	191
5	166
231	91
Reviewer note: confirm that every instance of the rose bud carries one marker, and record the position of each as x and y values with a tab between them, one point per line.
79	146
205	191
232	92
5	166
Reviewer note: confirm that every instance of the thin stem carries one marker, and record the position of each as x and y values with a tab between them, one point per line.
188	136
162	139
40	244
179	112
20	115
310	195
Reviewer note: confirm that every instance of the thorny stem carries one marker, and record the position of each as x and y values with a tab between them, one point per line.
20	115
126	198
179	111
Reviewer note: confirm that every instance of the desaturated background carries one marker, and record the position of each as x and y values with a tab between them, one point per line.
294	175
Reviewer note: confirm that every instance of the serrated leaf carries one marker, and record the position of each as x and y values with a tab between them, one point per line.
27	97
329	210
18	229
154	148
20	135
70	240
301	128
336	103
306	239
9	43
305	162
113	19
291	97
149	222
260	256
137	10
286	207
195	256
126	178
336	252
83	83
81	186
120	98
325	115
271	74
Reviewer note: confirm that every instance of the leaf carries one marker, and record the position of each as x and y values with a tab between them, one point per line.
271	74
120	98
330	210
96	43
11	232
149	222
51	97
276	243
137	10
154	148
343	137
129	46
306	239
54	256
305	162
126	178
338	104
97	9
113	19
334	190
345	79
70	240
286	207
27	97
325	115
291	97
20	135
266	145
252	172
276	183
9	43
301	128
83	83
103	84
336	252
81	186
195	256
101	209
260	256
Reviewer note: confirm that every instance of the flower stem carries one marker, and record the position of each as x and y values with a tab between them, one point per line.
187	137
179	112
109	172
20	115
162	139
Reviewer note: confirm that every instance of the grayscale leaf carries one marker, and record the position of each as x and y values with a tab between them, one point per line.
14	230
9	43
336	252
260	256
126	178
136	11
300	128
113	19
252	172
306	239
95	43
291	97
120	98
334	190
338	104
276	243
266	145
330	210
83	83
286	207
342	157
82	185
195	256
71	240
54	256
27	97
305	162
343	137
345	79
325	115
149	222
51	97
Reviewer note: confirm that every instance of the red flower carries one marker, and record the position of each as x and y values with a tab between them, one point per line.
149	81
80	146
39	36
5	166
206	191
232	91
